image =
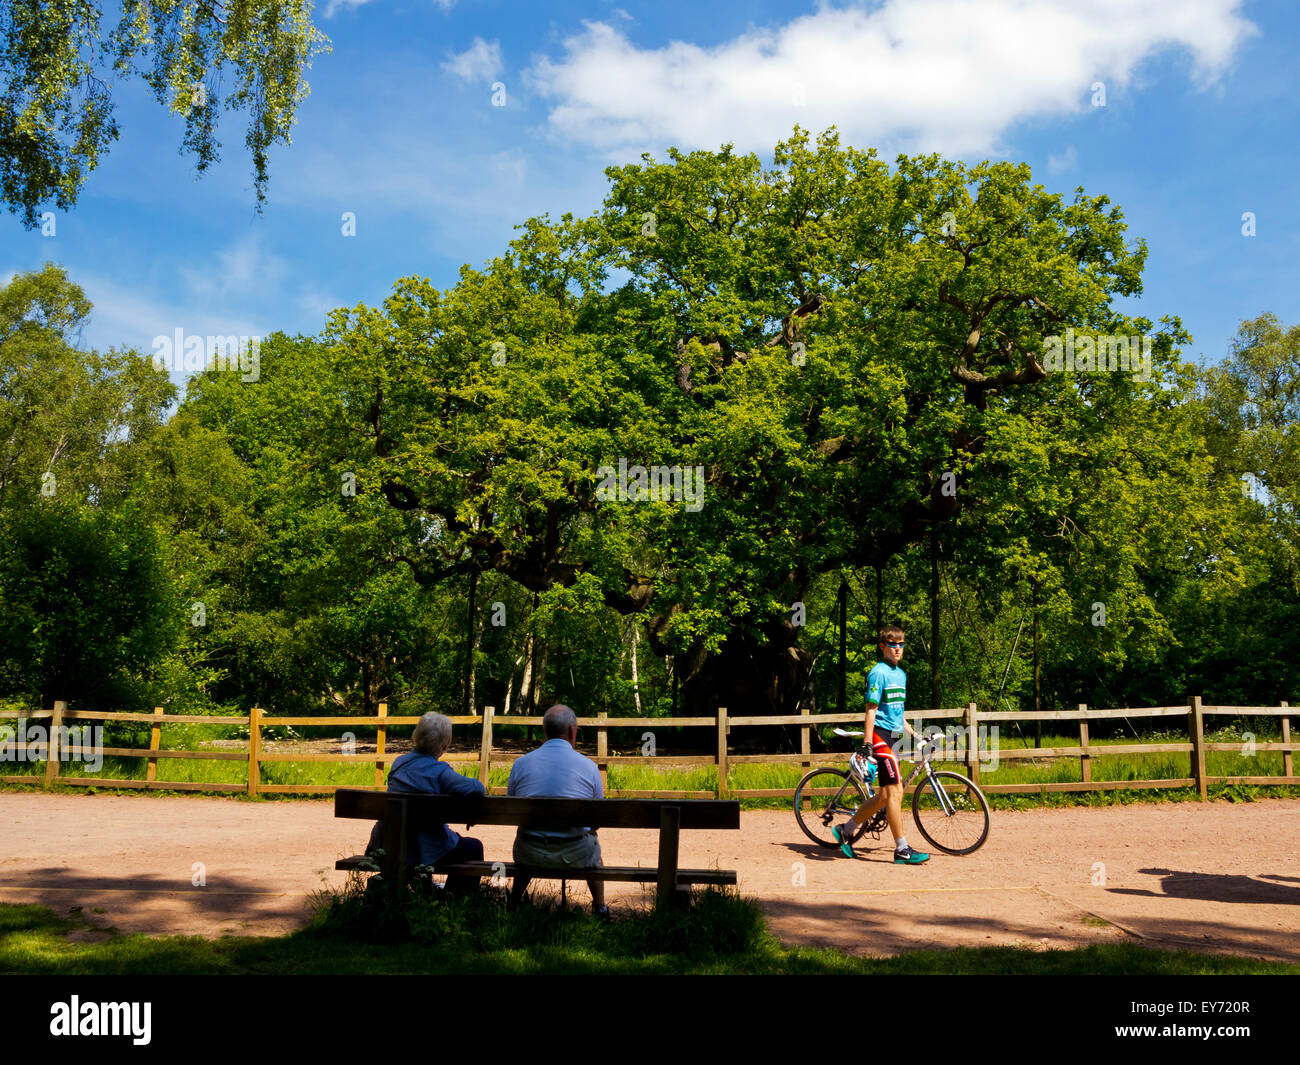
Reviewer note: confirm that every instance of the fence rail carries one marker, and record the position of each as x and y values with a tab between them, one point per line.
970	720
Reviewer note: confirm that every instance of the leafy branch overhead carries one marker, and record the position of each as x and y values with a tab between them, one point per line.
58	66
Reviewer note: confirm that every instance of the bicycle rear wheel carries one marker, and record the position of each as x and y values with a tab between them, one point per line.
951	813
818	814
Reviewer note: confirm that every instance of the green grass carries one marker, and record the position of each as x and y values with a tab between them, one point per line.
721	934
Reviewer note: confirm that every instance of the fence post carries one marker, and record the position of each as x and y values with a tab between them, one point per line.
972	743
485	747
155	742
1196	727
722	752
381	738
52	743
254	748
1085	759
602	749
1287	763
805	746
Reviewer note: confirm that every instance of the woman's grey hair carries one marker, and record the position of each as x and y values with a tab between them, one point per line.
432	734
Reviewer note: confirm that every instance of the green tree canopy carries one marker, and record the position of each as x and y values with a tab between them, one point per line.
853	354
86	606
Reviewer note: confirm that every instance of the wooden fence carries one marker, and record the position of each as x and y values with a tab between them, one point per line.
970	721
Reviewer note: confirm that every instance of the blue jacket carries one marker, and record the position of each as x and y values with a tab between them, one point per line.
418	773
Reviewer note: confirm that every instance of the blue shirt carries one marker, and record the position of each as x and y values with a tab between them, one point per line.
887	688
419	773
555	770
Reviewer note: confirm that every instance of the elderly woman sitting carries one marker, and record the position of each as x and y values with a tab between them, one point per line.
422	771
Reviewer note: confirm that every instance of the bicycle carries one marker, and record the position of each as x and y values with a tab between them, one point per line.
948	808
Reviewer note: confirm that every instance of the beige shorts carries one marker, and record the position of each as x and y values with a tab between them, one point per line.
580	853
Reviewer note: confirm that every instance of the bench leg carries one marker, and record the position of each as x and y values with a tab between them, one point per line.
670	826
394	837
517	889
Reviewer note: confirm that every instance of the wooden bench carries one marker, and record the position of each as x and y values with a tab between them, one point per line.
405	814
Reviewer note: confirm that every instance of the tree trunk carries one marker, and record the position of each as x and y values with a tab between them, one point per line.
539	672
841	701
636	681
526	681
526	689
467	691
935	686
473	668
1038	701
524	660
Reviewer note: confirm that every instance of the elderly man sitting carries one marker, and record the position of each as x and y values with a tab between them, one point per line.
421	771
557	770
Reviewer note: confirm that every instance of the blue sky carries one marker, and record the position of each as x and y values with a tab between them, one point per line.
1199	126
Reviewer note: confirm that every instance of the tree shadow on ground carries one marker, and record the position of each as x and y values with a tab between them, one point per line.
875	929
1219	887
156	904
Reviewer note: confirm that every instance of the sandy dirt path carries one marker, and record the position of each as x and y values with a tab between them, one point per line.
1217	876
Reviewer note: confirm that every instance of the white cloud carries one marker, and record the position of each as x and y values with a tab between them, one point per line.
242	268
511	164
316	304
480	62
131	316
1067	160
921	75
334	5
127	317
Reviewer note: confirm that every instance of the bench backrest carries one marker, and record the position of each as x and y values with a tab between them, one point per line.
548	814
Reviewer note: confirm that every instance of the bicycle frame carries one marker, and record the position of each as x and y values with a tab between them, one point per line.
921	767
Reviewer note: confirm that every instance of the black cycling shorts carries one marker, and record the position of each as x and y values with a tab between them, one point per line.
884	746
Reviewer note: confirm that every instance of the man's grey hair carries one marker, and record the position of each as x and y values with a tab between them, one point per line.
557	721
432	734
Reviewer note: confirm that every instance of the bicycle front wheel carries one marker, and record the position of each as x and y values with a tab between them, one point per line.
840	797
951	813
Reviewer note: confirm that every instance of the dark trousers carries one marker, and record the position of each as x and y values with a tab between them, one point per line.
467	850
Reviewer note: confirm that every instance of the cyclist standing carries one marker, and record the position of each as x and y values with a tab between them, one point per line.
885	727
